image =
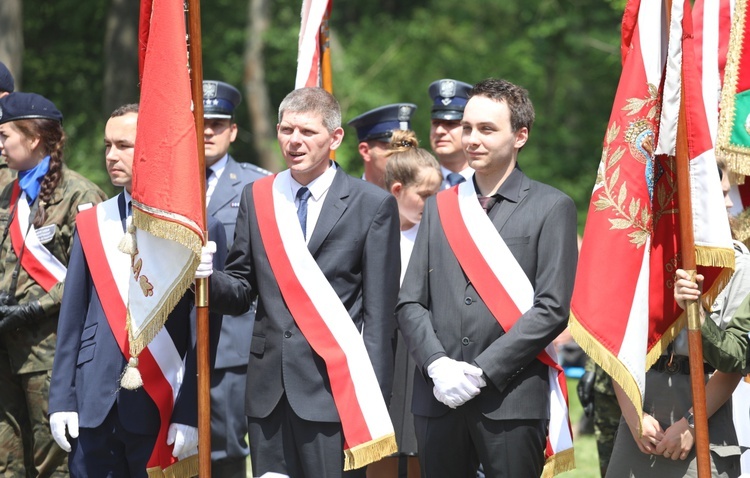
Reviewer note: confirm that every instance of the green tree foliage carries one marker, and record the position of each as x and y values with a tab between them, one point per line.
565	52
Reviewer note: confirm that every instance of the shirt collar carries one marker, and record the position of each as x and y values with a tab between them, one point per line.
511	187
317	186
218	167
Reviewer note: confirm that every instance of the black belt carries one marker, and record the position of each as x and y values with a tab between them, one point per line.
674	364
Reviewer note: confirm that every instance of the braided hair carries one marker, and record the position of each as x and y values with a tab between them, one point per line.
52	142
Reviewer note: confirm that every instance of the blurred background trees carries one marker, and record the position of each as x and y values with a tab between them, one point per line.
83	56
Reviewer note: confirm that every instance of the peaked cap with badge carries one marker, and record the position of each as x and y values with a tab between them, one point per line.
449	99
379	124
219	99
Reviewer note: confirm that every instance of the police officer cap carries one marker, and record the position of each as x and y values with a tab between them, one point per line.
19	106
219	99
6	79
449	99
380	122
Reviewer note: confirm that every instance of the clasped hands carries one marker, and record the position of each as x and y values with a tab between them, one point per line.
675	443
455	383
184	437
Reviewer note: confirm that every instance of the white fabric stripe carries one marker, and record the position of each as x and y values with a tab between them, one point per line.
670	108
513	279
709	220
634	344
162	348
652	36
330	308
710	66
110	231
32	244
493	248
312	16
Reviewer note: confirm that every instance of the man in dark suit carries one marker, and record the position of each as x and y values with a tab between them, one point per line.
113	429
225	179
482	395
350	230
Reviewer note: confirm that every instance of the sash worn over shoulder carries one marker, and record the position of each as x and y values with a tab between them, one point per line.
160	364
325	323
503	286
36	260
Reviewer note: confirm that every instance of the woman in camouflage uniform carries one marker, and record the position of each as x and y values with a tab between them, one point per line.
37	219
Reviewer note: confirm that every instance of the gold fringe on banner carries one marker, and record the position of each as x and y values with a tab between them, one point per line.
559	463
370	452
741	227
186	468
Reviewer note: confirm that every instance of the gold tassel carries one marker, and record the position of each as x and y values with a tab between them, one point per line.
131	377
127	243
370	452
559	463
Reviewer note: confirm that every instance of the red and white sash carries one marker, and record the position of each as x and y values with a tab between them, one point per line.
325	323
503	286
36	260
160	364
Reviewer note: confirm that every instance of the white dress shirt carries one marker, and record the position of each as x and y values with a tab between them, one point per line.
318	190
216	171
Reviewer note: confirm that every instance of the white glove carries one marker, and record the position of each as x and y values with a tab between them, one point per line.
59	422
453	387
206	267
184	438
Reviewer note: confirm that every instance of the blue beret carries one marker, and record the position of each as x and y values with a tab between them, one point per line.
219	99
380	122
6	79
17	106
449	99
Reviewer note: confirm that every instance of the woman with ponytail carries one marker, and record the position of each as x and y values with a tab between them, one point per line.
37	220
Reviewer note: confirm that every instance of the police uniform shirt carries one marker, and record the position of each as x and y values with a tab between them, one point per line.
467	173
216	171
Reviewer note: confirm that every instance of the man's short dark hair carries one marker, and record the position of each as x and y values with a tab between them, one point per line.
125	109
516	97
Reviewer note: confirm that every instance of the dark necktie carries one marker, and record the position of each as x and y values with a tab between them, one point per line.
303	194
487	203
209	172
455	178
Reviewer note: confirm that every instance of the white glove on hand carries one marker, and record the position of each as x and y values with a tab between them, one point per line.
59	422
453	387
206	267
185	439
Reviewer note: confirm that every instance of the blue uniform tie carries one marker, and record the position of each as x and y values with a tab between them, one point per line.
303	194
455	178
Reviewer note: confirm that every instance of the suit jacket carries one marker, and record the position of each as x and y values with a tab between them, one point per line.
440	313
88	362
234	347
356	245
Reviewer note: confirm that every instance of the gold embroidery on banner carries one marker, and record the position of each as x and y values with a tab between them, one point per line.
137	264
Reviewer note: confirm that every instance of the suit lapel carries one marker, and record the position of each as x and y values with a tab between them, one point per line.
508	207
333	208
224	192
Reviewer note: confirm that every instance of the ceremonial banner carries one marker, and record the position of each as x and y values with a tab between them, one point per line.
166	233
310	54
733	142
623	313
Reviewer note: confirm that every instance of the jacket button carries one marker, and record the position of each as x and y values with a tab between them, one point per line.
465	341
287	334
468	301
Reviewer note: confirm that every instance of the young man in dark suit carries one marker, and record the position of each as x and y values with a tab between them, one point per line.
341	237
482	395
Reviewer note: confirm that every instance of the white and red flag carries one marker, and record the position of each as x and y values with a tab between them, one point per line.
310	56
166	233
623	312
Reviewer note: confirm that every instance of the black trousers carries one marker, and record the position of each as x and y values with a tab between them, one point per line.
453	445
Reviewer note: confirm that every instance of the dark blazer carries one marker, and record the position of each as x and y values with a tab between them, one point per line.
88	362
440	313
356	245
234	346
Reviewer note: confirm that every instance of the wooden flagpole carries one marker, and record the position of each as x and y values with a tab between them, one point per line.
326	73
201	285
687	247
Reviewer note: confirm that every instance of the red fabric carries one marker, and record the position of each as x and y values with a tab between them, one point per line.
166	152
154	383
144	21
308	319
30	264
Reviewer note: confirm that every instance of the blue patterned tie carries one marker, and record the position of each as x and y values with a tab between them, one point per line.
455	178
303	194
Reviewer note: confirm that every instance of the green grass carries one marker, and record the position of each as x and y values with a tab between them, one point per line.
587	459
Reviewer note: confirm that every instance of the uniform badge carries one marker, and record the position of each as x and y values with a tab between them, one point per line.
232	176
210	89
447	89
46	233
234	204
404	113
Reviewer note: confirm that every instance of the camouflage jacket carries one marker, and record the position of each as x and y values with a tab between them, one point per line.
31	349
